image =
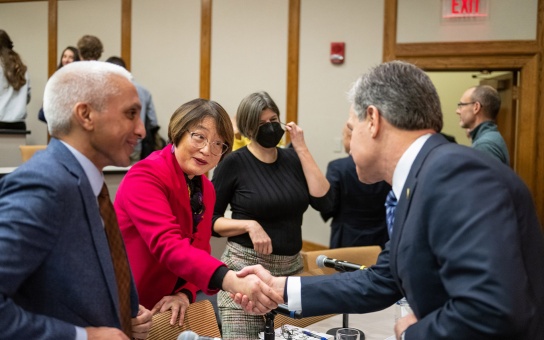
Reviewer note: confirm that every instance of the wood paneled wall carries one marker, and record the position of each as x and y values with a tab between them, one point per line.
523	56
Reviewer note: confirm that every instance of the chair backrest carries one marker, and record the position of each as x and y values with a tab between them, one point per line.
280	320
364	255
199	318
28	151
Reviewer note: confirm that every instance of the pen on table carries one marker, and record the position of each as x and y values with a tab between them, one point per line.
313	335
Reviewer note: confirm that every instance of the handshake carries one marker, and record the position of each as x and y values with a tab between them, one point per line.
255	289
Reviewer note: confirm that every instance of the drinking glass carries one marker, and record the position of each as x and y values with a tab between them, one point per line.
347	334
402	308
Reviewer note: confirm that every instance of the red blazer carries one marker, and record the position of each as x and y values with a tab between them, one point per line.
155	217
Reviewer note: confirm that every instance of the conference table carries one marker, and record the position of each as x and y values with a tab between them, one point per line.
376	326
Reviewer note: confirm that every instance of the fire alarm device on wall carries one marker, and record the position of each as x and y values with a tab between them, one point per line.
337	52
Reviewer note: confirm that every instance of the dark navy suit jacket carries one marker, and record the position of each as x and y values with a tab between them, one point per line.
467	251
358	213
55	264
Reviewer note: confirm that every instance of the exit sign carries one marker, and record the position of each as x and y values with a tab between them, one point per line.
464	9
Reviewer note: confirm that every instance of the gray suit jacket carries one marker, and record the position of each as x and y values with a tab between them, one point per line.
55	264
467	251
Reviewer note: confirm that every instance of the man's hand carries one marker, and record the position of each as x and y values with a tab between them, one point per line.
262	297
141	324
277	284
178	303
105	333
403	323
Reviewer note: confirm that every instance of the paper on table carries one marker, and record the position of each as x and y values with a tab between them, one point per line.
297	333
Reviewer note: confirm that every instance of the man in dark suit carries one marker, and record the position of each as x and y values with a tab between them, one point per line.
467	249
358	212
58	280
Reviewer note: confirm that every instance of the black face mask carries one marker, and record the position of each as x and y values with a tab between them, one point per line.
269	134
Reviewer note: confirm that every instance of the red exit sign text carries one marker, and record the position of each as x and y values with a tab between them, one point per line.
464	8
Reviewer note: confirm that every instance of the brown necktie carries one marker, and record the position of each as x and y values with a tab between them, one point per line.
118	257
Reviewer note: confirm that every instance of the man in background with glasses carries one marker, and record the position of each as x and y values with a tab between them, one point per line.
477	111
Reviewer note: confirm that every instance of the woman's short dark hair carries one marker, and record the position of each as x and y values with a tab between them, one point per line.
192	113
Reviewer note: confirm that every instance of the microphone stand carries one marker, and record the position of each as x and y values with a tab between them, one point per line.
345	320
269	333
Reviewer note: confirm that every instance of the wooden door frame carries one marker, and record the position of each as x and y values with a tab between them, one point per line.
524	56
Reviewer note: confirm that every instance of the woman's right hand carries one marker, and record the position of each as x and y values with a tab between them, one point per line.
261	241
178	303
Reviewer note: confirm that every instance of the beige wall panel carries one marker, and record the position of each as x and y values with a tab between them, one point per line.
26	24
101	18
323	105
166	52
421	21
249	51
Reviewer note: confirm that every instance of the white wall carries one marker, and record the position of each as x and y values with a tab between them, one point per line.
249	51
166	52
323	106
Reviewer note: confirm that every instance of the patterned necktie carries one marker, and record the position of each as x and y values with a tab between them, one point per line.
390	205
118	257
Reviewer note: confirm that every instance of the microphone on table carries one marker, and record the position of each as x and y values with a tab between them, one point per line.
341	266
284	310
190	335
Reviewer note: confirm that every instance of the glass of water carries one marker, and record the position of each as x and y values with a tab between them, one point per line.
347	334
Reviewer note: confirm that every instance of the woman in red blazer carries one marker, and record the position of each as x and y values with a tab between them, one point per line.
165	205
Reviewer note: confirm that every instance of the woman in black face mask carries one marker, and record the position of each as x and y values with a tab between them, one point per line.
268	189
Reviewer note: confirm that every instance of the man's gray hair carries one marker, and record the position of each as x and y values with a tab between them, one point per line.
403	94
82	81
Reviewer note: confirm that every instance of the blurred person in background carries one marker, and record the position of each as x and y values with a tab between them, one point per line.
90	47
14	86
148	116
358	213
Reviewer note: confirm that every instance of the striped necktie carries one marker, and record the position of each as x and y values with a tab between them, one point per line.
390	205
118	257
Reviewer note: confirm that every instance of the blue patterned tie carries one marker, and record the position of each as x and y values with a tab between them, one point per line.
390	205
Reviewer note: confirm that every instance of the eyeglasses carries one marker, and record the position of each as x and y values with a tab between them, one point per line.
217	148
460	104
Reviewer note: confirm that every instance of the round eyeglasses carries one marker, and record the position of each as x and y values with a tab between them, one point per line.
199	141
